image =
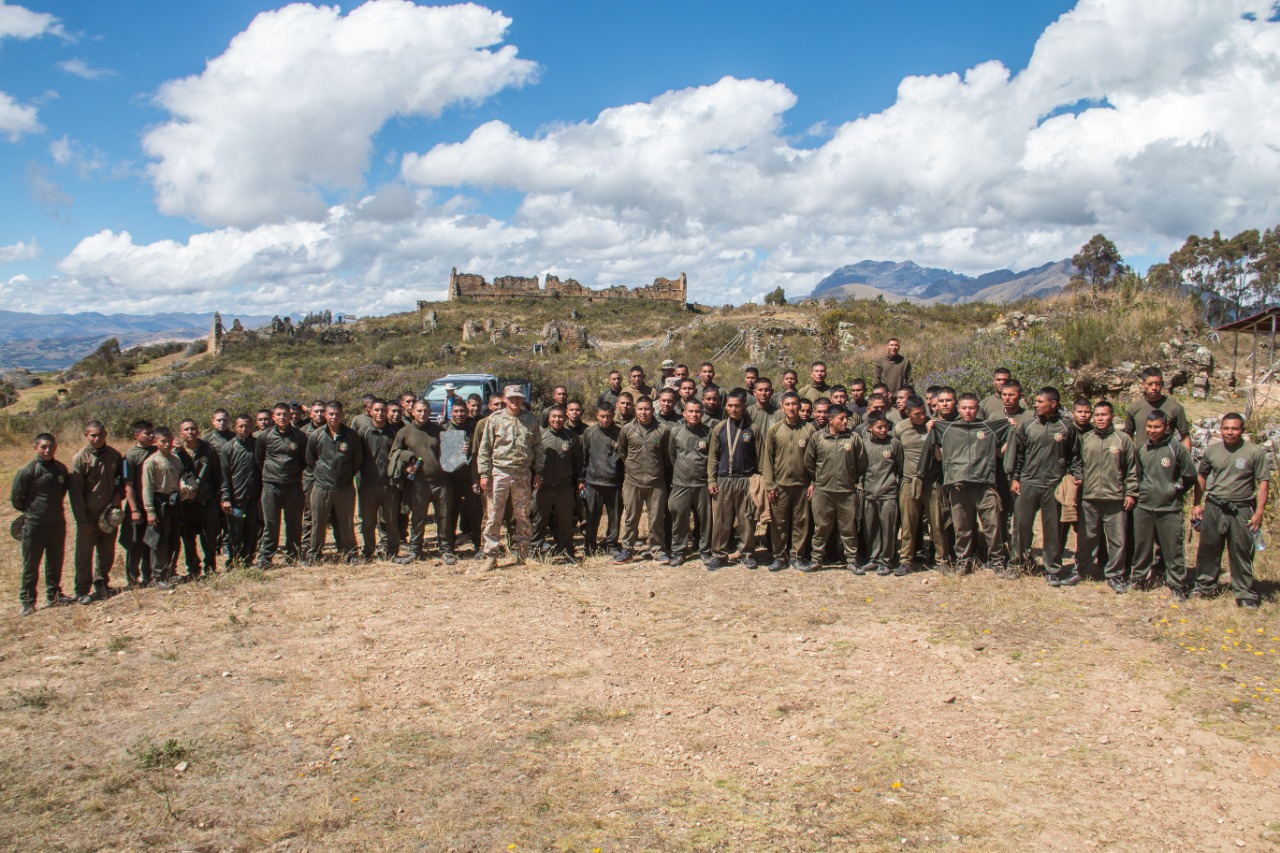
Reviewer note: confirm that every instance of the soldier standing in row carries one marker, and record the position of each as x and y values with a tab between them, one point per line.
468	508
510	446
38	492
642	445
335	455
562	473
1166	473
281	451
834	460
1044	449
786	483
96	485
241	493
689	502
602	489
1108	491
881	482
911	432
161	495
1234	480
428	485
200	511
379	500
133	529
731	465
892	368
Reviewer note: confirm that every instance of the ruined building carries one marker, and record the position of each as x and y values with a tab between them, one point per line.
468	286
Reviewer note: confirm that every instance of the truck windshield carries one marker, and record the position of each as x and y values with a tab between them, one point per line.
435	391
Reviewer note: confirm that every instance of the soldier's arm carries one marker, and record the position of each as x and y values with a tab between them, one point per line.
1186	467
76	488
713	458
859	460
225	460
149	492
260	450
18	491
484	454
539	460
357	458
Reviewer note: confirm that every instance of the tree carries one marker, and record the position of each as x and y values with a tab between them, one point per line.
1266	266
1098	262
776	297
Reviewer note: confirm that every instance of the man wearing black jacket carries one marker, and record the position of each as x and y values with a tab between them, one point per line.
334	455
200	515
281	454
241	492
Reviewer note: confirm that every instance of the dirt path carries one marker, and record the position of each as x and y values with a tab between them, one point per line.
549	708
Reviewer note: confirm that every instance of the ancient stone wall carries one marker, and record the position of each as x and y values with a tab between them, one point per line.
468	286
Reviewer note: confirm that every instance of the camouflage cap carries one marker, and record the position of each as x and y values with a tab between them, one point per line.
513	391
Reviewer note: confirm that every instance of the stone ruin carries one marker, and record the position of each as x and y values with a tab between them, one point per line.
469	286
221	337
572	335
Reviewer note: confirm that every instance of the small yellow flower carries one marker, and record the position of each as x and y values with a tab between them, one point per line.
896	785
355	799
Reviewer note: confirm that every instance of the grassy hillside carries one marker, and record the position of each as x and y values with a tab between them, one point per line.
954	345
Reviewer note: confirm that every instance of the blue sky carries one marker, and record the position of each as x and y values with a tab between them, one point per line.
294	173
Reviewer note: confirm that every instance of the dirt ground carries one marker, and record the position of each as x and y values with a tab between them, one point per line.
592	707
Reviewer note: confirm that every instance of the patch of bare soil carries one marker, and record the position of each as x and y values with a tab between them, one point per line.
389	707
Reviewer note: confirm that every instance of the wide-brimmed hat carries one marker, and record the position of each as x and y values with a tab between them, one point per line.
110	520
15	529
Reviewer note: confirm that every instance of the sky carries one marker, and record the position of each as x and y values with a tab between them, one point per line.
260	157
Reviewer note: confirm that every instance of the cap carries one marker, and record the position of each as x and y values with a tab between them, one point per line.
449	386
513	391
15	529
668	364
110	520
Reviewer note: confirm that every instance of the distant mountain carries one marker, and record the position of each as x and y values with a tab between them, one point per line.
55	341
908	281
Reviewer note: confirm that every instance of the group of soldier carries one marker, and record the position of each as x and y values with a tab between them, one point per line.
872	478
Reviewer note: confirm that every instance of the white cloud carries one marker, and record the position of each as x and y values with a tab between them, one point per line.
82	69
973	171
289	110
20	251
20	22
16	119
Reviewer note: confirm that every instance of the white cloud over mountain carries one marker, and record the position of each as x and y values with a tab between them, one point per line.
1146	121
19	22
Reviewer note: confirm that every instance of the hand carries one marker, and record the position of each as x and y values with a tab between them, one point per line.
808	493
537	480
475	487
1197	512
1255	521
772	494
713	489
1015	487
485	483
226	506
1129	503
136	516
1078	481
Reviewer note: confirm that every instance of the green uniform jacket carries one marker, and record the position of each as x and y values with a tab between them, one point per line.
759	420
424	443
377	454
835	462
912	438
1110	466
360	423
1136	417
1044	450
218	439
894	371
992	406
1165	473
203	468
812	392
281	455
510	443
782	457
96	481
883	477
38	491
1233	475
562	458
335	459
600	447
239	471
134	459
687	452
644	453
970	451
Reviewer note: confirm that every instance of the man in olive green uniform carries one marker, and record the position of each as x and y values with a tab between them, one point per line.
468	507
241	493
379	499
96	485
817	386
609	397
221	431
911	432
428	484
161	492
137	553
942	533
761	413
731	465
642	445
968	450
510	447
200	512
562	473
834	460
893	368
602	493
335	455
1234	479
1108	490
689	501
786	483
881	483
668	413
314	422
1165	473
1044	449
281	451
38	492
364	419
1153	397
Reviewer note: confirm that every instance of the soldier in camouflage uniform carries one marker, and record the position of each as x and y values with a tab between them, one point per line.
510	446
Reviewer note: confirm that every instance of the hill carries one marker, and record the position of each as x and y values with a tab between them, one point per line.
55	341
907	279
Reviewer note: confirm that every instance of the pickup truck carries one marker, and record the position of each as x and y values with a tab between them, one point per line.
466	384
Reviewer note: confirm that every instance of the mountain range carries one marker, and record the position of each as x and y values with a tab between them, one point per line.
899	281
54	341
